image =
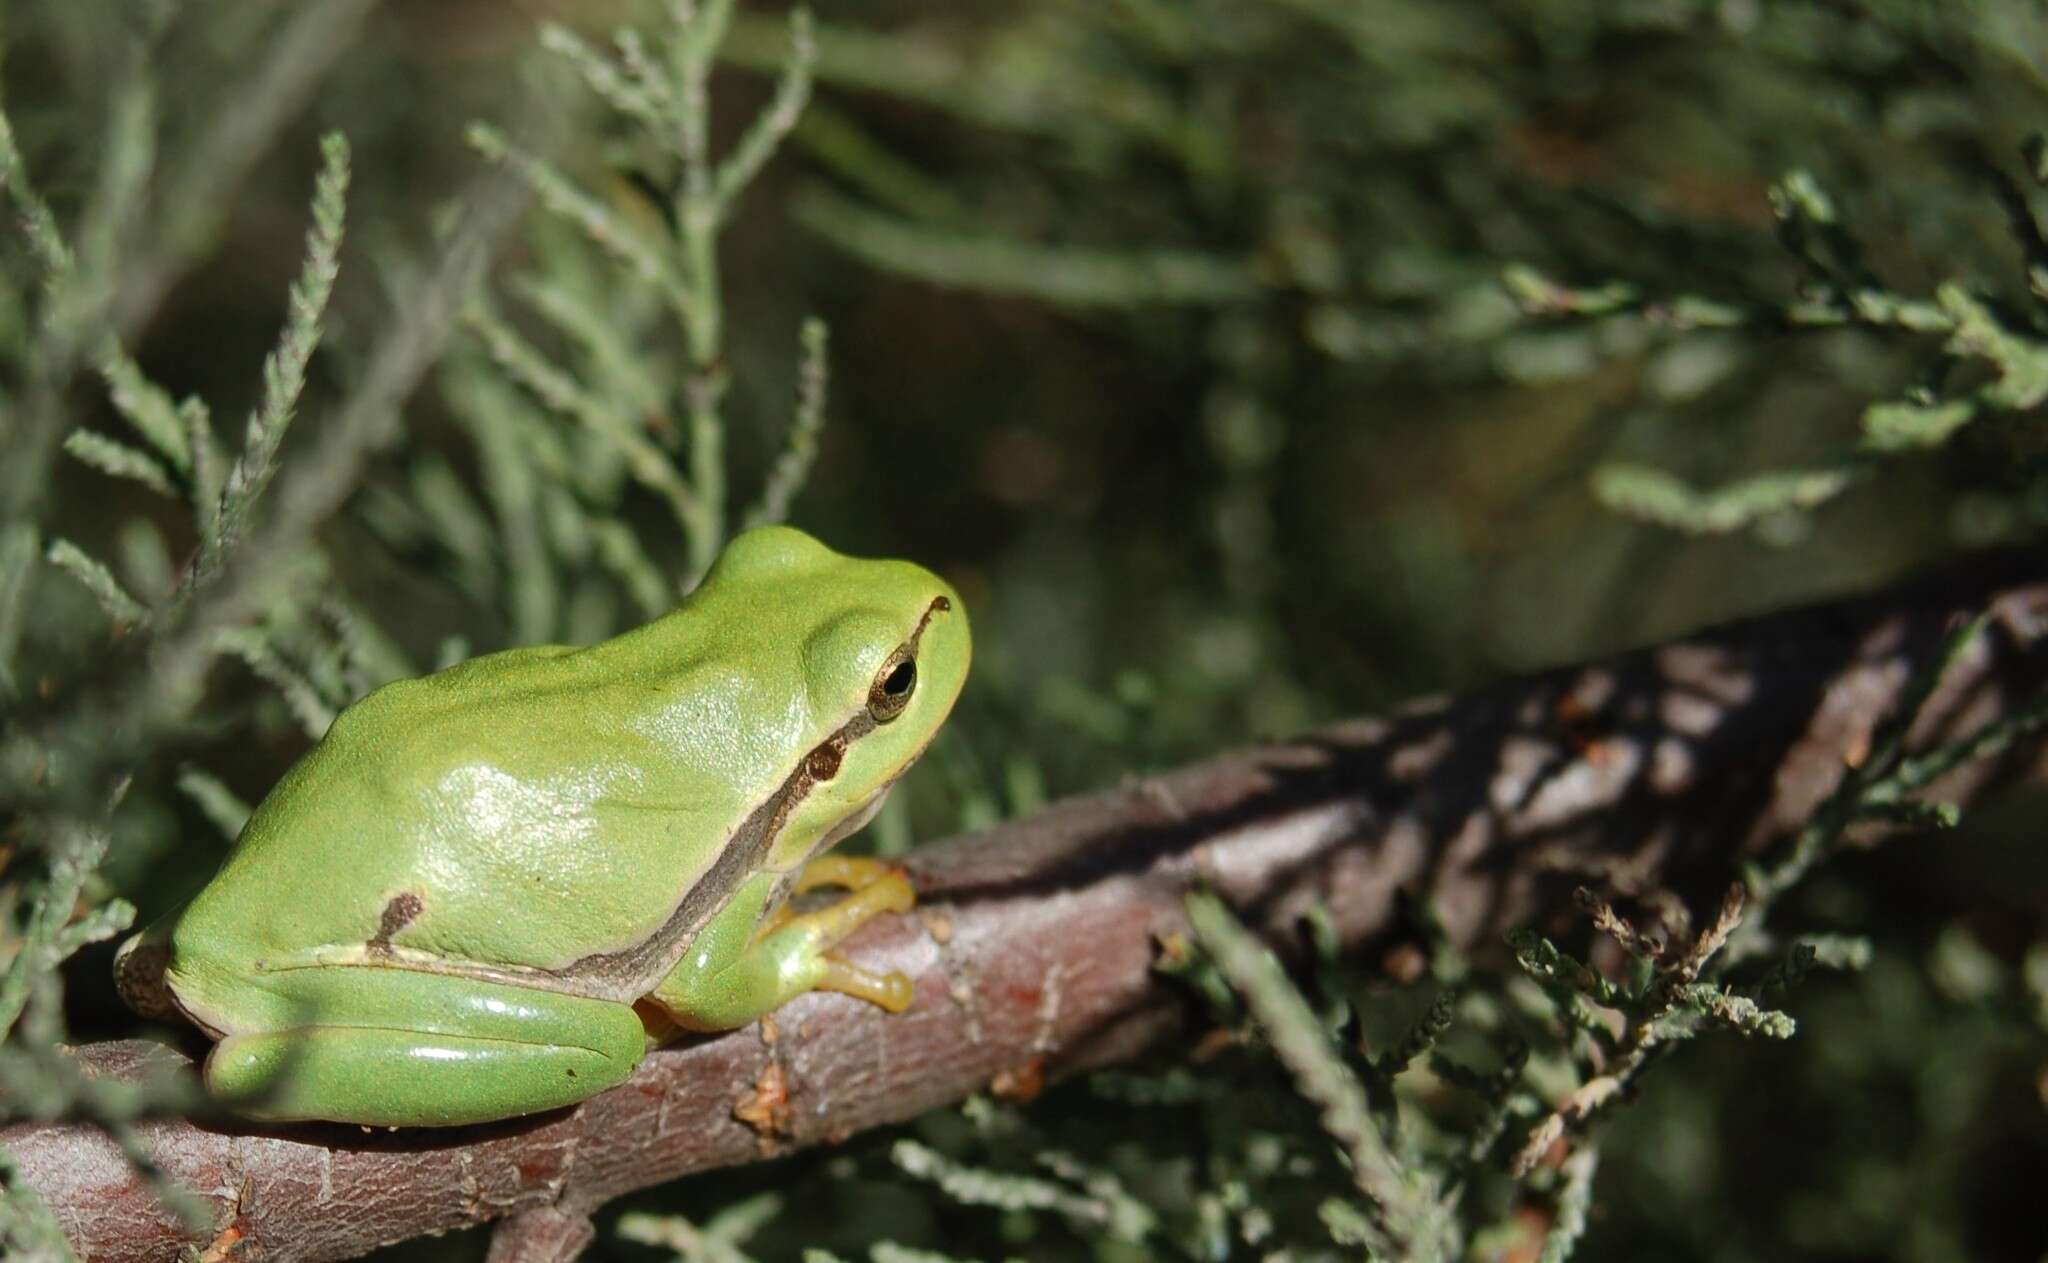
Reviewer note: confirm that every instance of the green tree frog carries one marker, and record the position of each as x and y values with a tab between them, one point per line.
488	891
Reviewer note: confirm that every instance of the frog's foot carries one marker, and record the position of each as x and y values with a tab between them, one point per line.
851	872
848	873
792	953
877	888
382	1056
892	991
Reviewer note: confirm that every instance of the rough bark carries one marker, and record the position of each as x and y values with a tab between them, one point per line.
1034	943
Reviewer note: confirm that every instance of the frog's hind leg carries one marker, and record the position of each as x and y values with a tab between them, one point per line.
395	1048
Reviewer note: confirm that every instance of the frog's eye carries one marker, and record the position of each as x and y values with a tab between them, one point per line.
893	685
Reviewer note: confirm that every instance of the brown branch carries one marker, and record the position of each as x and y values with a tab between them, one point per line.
1034	944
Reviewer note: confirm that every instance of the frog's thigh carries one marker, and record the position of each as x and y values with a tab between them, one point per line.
731	976
406	1048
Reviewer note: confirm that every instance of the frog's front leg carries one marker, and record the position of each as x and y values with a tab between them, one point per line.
404	1047
746	961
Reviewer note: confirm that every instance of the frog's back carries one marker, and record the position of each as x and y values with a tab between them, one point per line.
504	815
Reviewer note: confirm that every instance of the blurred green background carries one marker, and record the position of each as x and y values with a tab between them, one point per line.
1174	335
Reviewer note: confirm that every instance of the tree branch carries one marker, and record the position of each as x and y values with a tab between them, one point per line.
1034	943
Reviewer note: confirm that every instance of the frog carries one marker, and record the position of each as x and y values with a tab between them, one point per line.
489	891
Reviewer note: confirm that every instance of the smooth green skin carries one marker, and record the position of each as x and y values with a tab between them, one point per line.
445	912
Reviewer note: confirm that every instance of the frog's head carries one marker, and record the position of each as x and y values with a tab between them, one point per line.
883	650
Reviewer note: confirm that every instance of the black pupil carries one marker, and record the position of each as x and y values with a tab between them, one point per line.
899	681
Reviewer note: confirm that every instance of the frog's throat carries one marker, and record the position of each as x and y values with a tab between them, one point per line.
630	971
